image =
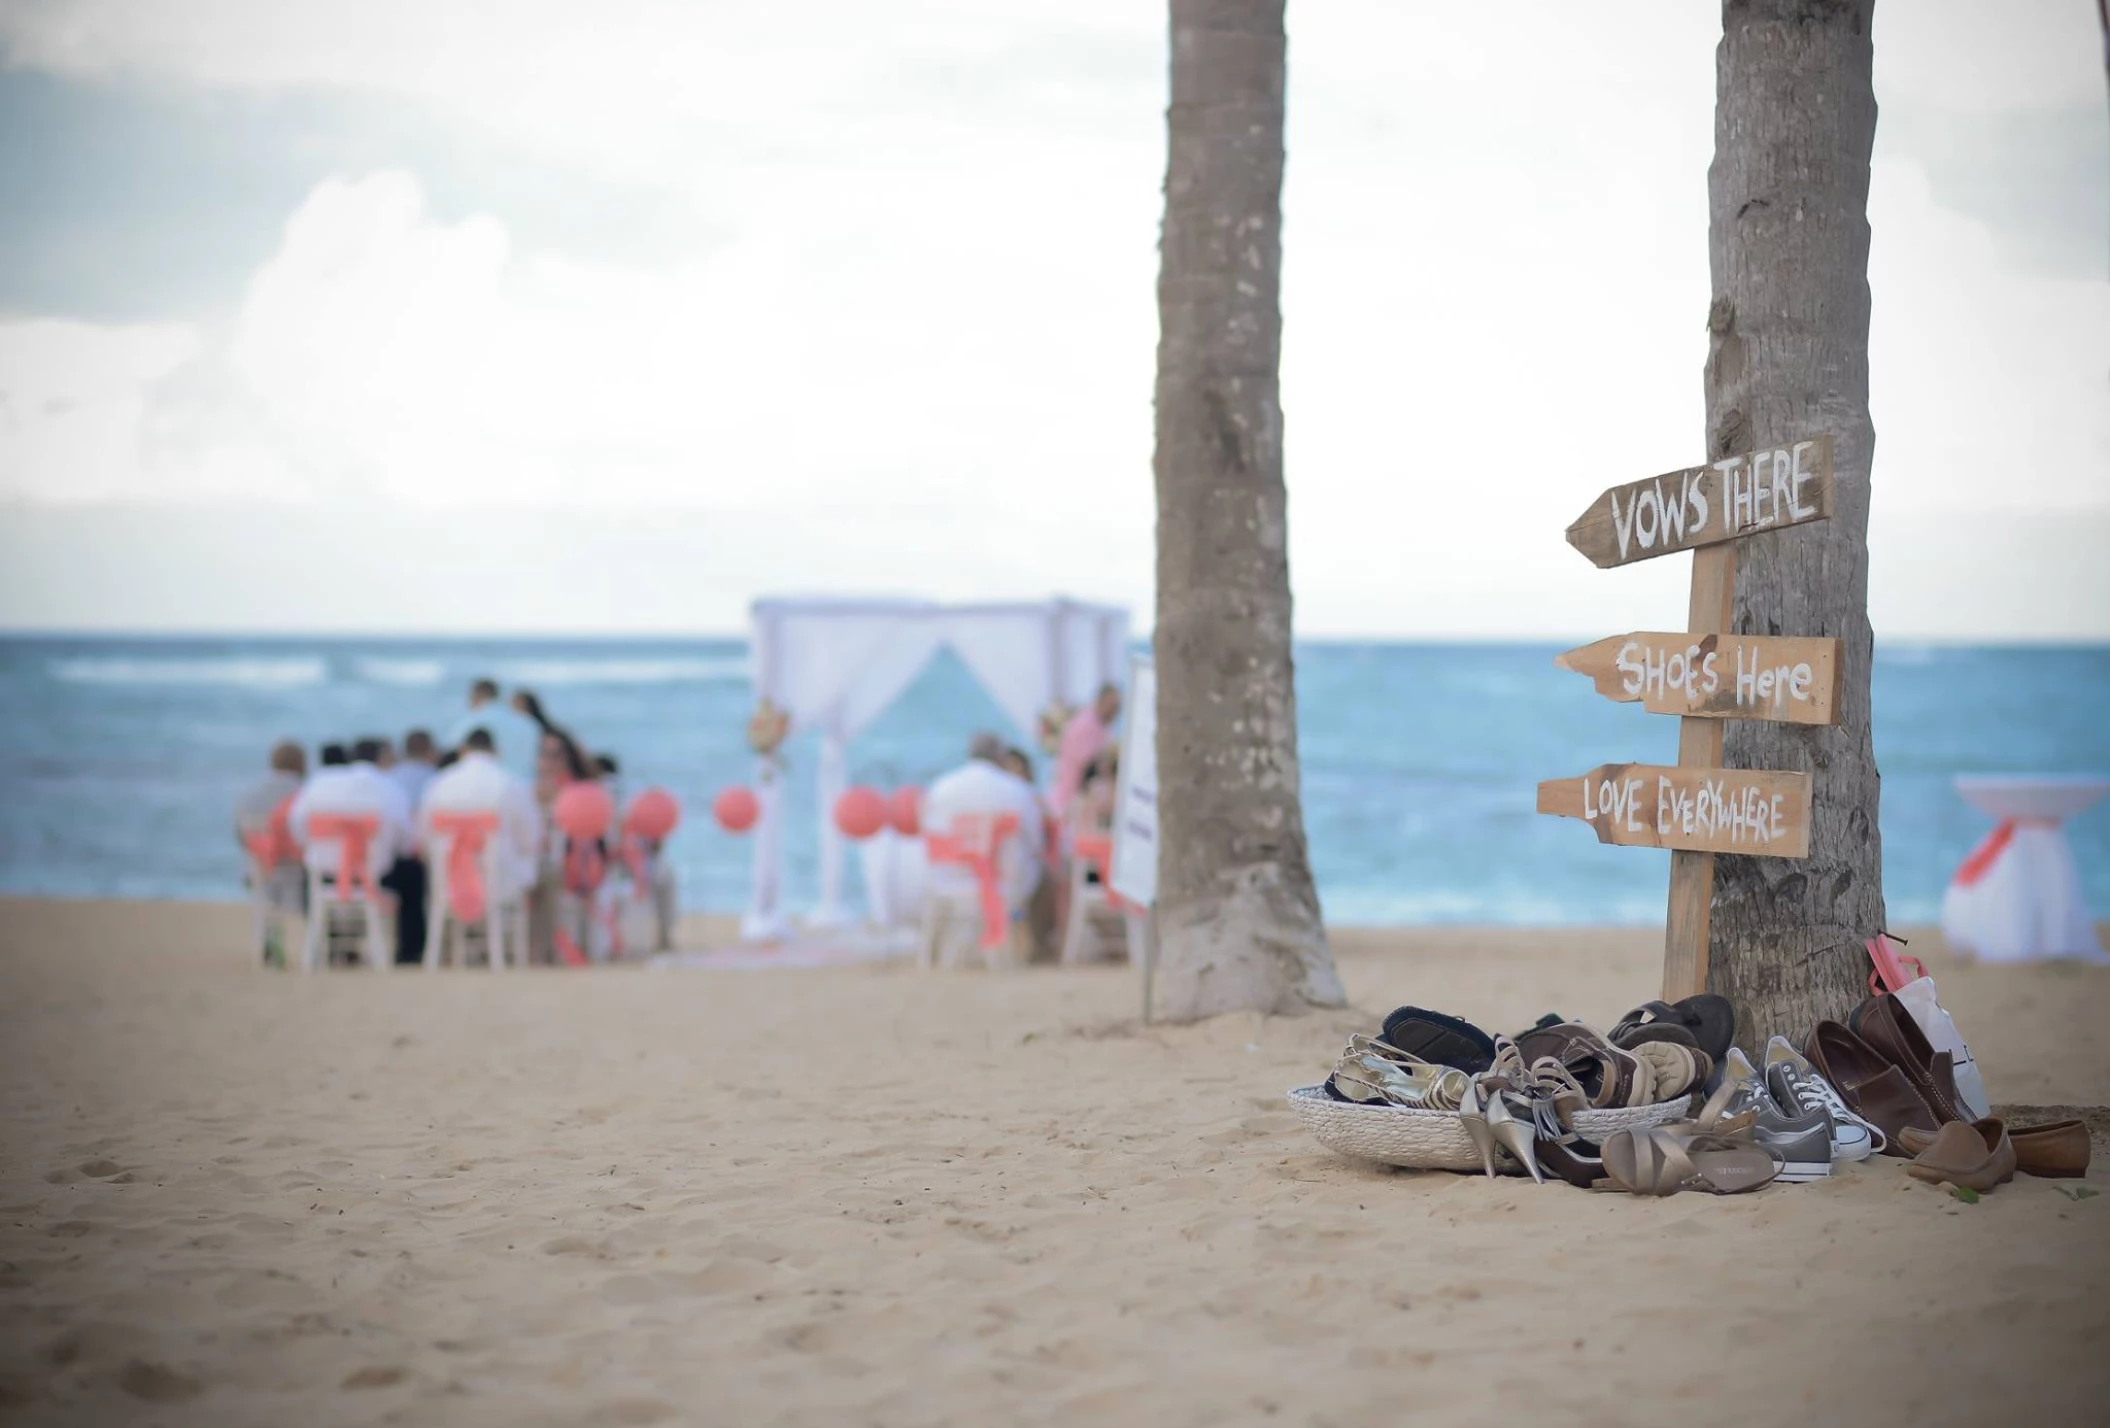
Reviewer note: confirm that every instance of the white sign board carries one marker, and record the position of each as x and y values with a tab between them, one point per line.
1135	870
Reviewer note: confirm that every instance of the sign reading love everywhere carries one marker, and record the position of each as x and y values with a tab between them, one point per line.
1704	675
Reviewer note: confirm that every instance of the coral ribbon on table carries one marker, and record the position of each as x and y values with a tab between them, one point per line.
467	832
354	833
973	845
1988	853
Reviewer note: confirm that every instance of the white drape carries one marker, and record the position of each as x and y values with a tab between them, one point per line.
835	665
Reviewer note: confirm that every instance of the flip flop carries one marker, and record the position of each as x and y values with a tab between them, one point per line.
1706	1021
1444	1040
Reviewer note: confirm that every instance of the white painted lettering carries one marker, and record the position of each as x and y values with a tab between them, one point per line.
1795	506
1629	667
1650	500
1624	529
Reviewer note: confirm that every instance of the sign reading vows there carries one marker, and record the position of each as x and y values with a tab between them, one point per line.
1706	505
1693	809
1780	679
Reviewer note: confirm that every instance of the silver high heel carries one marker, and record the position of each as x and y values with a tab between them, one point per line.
1476	1119
1514	1136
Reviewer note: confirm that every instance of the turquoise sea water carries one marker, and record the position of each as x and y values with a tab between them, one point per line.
123	755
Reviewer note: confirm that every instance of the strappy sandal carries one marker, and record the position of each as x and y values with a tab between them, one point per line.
1609	1075
1371	1072
1660	1161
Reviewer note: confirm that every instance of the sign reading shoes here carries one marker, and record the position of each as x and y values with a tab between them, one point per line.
1706	505
1698	810
1788	681
1705	676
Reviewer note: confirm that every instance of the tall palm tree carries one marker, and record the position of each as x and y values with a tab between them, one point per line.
1238	917
1795	120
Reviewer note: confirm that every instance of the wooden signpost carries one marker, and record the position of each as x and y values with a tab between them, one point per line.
1704	676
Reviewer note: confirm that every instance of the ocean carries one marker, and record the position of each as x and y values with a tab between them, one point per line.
123	755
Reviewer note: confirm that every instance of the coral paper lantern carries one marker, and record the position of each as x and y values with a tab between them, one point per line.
904	811
860	812
736	809
653	814
583	810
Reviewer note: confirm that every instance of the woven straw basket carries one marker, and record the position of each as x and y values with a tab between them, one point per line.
1436	1140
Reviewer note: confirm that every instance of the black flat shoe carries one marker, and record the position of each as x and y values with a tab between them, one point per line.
1445	1040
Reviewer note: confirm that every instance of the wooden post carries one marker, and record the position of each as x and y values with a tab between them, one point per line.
1699	746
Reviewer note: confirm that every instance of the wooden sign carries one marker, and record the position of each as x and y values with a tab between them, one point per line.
1704	676
1705	505
1696	810
1781	680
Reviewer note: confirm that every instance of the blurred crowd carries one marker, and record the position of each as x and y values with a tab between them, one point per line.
1046	848
510	776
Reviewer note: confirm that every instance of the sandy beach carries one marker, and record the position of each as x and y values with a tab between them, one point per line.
866	1195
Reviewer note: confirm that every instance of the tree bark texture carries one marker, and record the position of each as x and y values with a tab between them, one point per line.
1795	118
1238	917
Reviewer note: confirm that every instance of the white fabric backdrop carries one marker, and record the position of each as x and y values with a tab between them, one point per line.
834	665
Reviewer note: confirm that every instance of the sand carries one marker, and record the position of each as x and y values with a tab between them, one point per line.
872	1196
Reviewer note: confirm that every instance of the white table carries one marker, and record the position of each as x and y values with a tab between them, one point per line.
2018	896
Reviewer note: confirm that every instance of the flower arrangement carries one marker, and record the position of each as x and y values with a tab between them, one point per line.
1053	720
767	729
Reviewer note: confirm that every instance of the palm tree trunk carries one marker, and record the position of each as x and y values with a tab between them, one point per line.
1795	119
1238	917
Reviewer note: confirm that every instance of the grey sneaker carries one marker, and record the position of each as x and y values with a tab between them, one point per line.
1794	1082
1802	1137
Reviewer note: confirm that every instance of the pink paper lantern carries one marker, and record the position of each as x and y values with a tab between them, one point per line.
736	809
860	813
583	810
904	811
653	815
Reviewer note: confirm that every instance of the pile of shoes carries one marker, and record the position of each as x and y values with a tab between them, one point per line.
1877	1070
1869	1085
1519	1097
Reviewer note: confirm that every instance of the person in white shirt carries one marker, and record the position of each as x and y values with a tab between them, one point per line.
358	787
477	783
981	787
517	738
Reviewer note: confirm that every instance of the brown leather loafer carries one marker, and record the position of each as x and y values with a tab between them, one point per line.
1977	1156
1885	1024
2058	1151
1869	1085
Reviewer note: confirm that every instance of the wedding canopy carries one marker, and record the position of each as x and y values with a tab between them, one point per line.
834	664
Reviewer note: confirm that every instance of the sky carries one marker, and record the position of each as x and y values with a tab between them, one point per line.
426	316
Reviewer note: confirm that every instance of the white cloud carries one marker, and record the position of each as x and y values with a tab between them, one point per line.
73	406
925	344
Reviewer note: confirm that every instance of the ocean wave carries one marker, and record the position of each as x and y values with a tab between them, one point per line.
290	673
416	673
625	671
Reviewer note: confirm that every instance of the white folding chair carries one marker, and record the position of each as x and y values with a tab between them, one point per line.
462	842
354	834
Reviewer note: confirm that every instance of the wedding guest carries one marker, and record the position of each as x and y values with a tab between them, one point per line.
1042	912
421	757
478	783
514	733
405	877
353	785
260	818
1089	732
981	787
576	765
